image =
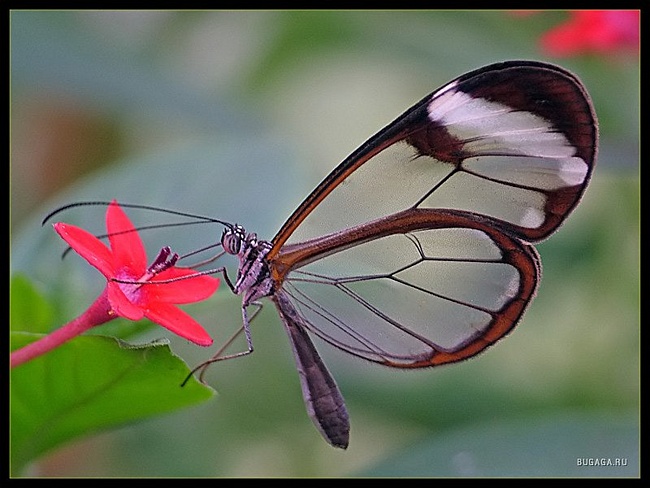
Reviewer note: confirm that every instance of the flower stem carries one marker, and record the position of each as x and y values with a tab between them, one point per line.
98	313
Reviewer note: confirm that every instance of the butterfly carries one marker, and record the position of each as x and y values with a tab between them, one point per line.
416	250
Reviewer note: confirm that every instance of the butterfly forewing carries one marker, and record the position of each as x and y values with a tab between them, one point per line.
514	141
413	252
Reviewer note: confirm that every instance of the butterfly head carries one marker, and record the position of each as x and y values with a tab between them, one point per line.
232	239
237	242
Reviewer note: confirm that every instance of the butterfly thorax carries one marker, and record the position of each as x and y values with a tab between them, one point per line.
253	276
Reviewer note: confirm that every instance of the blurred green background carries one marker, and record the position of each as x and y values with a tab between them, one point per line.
238	115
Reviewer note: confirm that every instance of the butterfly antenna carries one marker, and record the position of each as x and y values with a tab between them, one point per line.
136	206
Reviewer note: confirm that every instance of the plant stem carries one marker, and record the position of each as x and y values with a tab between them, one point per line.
98	313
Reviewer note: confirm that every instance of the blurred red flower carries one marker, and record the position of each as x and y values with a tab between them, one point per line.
594	31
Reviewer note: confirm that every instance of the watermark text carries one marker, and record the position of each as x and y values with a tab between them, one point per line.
604	461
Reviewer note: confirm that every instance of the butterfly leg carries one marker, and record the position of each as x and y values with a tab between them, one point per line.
218	356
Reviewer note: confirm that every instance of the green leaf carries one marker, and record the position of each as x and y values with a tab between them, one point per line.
29	311
88	384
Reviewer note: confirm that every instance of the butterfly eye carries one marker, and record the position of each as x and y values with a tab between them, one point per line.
232	238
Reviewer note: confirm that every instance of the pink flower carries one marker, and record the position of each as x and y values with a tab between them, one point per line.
594	31
133	290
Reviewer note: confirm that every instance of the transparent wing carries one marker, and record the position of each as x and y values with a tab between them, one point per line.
514	141
414	250
417	298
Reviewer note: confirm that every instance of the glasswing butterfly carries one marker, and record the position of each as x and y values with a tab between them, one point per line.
416	250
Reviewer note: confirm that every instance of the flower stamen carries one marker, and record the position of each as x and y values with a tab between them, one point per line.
163	261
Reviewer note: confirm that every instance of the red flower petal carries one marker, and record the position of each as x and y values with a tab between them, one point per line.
121	304
179	322
88	246
126	244
187	290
